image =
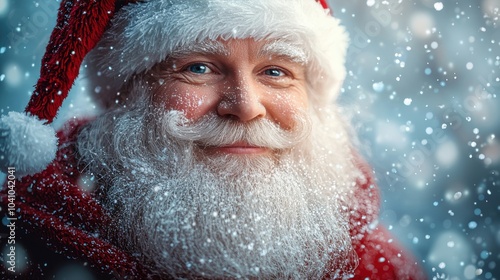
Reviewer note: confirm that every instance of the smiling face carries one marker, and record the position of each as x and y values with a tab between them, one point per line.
239	79
218	165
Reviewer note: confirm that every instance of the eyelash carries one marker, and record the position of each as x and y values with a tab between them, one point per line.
281	72
188	68
198	64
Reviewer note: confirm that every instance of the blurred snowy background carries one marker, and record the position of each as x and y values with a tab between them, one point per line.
425	76
423	81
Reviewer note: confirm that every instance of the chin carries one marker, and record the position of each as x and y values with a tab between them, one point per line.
222	215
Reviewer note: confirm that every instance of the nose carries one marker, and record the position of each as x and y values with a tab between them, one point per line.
241	100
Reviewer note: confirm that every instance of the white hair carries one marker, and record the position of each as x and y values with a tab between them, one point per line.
188	216
144	34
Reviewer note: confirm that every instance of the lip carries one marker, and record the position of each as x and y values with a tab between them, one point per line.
240	148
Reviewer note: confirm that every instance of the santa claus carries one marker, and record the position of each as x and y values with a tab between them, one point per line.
219	154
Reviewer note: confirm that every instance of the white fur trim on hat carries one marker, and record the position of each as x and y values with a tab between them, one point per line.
26	143
143	34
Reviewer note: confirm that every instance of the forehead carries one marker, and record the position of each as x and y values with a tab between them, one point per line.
263	48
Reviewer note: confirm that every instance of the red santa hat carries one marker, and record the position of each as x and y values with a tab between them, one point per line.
127	37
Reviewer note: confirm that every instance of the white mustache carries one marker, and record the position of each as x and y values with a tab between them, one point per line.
216	131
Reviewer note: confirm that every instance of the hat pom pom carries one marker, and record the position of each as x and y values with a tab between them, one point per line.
26	143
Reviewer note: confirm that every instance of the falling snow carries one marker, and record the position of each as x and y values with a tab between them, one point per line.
438	6
431	125
424	83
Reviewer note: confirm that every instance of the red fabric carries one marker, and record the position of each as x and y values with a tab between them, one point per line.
380	256
69	220
323	3
80	25
52	206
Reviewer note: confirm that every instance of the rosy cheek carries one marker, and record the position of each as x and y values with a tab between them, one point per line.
285	107
193	103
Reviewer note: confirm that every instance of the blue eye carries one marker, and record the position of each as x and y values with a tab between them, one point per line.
199	68
274	72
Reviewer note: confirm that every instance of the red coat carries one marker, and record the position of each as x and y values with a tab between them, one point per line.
58	221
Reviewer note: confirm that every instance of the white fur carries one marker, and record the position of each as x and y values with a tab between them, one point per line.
143	34
26	143
191	215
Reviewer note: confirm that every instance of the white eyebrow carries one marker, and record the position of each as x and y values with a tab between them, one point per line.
282	48
206	47
275	48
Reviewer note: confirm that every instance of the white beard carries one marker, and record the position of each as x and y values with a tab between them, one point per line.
191	216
